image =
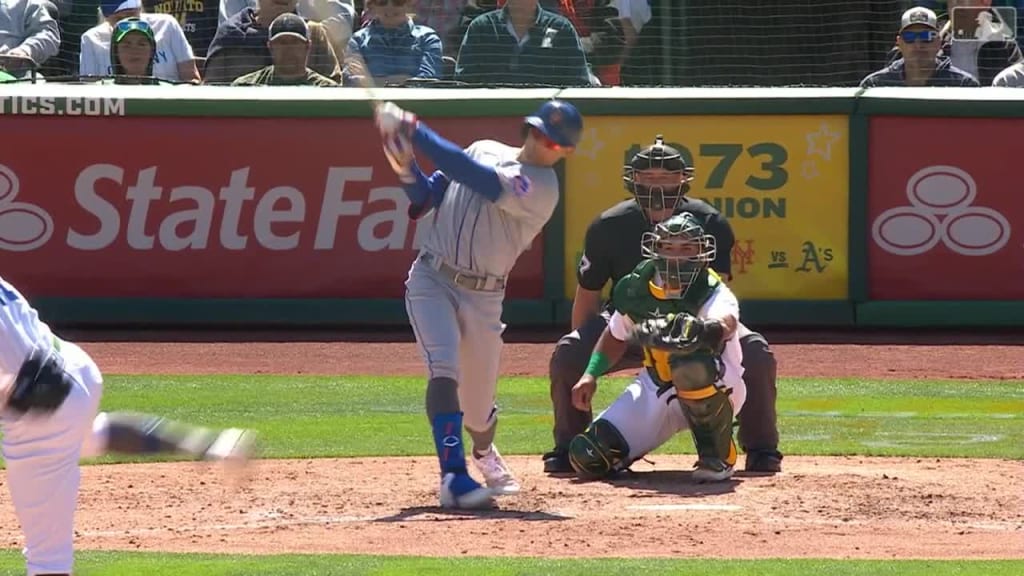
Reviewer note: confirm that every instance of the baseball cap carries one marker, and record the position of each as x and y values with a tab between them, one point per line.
114	6
919	15
289	24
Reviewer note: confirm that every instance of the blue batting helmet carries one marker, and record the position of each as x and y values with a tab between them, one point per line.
559	121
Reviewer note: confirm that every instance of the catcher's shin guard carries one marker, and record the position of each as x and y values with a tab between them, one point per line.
598	451
709	414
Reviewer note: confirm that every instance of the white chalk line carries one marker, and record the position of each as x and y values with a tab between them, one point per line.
272	523
686	507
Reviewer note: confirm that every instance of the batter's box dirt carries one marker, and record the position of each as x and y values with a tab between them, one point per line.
819	507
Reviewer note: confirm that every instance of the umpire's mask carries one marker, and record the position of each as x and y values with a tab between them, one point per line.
657	176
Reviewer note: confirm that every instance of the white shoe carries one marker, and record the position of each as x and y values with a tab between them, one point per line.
496	473
233	445
462	491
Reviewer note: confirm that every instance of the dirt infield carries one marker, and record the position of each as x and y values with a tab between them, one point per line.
818	507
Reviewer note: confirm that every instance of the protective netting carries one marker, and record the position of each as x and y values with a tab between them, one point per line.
465	42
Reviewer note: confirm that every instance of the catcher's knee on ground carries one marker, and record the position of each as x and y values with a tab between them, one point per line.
706	407
598	451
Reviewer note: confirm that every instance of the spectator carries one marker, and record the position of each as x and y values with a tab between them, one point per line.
473	8
918	42
198	18
133	52
442	16
602	33
522	43
393	47
289	49
27	32
174	60
1011	77
240	45
979	42
337	16
644	25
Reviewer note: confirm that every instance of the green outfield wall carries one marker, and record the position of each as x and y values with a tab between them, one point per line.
223	206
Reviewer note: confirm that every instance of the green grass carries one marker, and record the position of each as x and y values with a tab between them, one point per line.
308	416
135	564
315	416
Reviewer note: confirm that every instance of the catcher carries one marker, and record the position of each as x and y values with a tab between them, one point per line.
687	322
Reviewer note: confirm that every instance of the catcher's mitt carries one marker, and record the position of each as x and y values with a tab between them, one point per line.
675	333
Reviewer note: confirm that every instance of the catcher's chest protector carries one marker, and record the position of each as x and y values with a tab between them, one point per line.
639	299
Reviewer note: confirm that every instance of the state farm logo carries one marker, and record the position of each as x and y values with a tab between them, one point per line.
140	210
23	227
940	211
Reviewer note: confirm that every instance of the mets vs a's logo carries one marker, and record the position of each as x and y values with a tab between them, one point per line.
940	211
23	227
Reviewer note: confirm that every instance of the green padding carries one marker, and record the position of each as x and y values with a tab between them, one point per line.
300	102
939	313
157	312
710	101
758	313
947	102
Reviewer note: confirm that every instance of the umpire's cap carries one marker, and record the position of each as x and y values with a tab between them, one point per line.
559	121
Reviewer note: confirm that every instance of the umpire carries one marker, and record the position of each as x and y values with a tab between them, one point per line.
659	180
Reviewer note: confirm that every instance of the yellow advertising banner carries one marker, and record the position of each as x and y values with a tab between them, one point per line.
781	181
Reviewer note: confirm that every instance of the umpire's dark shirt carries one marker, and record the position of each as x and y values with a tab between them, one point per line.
612	246
945	75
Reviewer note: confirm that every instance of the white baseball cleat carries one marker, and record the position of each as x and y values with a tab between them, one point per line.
234	445
461	491
496	473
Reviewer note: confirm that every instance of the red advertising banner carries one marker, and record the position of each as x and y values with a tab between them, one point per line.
216	207
945	216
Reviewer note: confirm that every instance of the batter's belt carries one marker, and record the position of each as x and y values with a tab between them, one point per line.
467	280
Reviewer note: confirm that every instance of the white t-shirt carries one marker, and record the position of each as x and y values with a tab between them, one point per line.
171	48
637	11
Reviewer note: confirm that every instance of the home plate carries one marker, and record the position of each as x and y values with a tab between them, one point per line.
675	507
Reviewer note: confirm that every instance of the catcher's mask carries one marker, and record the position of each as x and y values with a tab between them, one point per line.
680	250
657	176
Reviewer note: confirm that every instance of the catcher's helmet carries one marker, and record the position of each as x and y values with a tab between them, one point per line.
681	250
559	121
665	190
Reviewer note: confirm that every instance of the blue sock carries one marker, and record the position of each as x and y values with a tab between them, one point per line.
448	442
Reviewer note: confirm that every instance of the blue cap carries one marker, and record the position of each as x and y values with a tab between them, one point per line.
559	121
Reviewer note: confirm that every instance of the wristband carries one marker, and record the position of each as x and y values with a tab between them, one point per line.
598	365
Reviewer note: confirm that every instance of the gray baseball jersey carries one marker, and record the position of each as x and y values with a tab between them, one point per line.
472	233
459	330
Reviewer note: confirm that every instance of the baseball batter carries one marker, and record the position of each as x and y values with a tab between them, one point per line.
490	202
687	322
51	392
659	180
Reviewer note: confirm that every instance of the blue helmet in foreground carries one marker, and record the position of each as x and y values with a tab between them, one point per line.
559	121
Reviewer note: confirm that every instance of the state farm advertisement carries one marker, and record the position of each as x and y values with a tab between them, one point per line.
946	214
216	208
